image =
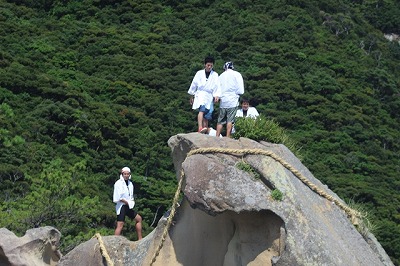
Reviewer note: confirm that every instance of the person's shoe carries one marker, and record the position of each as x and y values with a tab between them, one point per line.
203	130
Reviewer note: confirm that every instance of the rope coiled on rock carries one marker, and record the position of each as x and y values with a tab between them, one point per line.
350	212
354	215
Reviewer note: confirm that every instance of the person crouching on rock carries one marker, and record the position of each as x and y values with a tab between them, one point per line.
124	202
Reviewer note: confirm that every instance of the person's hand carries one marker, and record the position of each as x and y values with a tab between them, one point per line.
191	100
216	99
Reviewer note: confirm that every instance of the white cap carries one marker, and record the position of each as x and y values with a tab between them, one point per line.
126	169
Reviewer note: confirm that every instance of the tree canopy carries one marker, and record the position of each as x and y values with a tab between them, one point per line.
88	87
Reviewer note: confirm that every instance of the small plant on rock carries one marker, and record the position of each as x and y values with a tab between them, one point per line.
365	224
248	168
276	194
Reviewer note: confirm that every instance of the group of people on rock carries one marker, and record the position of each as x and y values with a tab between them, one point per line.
208	88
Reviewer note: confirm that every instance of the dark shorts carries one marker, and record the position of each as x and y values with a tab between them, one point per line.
125	211
227	115
207	113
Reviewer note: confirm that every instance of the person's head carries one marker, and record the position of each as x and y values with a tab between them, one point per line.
228	65
245	104
209	63
126	173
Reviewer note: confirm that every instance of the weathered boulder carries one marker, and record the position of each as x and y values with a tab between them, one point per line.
38	247
98	250
229	217
302	229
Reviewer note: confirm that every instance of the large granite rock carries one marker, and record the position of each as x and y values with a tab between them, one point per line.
229	217
38	247
120	250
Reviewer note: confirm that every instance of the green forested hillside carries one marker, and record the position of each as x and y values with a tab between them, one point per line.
87	87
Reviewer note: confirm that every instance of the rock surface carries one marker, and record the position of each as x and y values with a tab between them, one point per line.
229	217
37	247
302	229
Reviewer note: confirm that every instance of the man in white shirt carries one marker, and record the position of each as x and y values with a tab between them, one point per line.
204	90
246	110
124	202
232	86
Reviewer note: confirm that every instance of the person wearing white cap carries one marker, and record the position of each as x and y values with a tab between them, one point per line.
124	202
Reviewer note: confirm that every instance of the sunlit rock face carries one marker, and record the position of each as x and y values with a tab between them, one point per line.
228	215
39	246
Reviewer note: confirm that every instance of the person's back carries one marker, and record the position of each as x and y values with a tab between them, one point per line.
231	87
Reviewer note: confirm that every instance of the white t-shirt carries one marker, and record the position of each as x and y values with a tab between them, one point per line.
251	112
231	83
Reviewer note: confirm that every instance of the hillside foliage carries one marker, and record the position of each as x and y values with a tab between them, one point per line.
88	87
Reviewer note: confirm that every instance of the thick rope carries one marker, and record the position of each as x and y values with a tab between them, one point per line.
350	212
104	250
169	219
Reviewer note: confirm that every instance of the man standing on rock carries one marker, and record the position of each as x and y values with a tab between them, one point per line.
124	202
232	86
204	90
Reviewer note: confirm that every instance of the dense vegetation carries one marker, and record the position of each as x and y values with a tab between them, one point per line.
90	86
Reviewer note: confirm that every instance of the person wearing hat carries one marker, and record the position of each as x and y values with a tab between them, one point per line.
232	86
204	90
124	202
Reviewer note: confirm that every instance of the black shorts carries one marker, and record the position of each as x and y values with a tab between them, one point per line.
125	211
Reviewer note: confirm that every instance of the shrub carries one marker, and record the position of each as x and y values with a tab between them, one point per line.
263	129
365	224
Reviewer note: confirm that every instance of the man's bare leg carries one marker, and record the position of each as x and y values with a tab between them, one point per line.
118	229
205	122
219	129
200	118
228	129
138	226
